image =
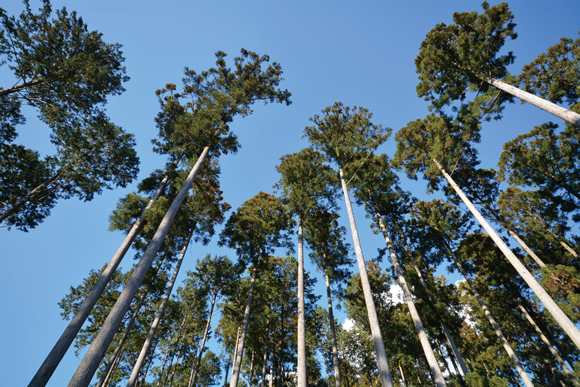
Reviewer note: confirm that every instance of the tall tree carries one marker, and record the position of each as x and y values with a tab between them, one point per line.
214	98
464	57
65	72
347	136
305	185
254	230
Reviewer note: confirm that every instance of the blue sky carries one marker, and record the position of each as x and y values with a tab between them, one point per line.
360	53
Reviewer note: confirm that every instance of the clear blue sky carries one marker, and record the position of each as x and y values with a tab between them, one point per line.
361	53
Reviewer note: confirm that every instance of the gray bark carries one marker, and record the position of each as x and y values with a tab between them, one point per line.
265	358
96	352
251	369
198	362
20	87
542	295
301	369
526	248
227	369
240	346
550	107
332	332
62	345
383	365
427	349
157	320
513	357
549	345
403	375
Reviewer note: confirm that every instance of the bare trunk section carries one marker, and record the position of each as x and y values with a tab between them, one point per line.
332	332
403	375
383	364
550	107
513	357
240	346
542	295
526	248
301	369
444	327
18	205
198	362
429	354
62	345
271	381
96	352
549	345
251	369
227	369
265	358
157	320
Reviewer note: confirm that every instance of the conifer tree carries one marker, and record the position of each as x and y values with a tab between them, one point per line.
464	57
347	136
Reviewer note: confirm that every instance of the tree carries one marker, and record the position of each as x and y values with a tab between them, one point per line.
216	96
305	185
66	73
346	136
254	230
463	57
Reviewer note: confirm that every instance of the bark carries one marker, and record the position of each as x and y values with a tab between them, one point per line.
444	327
240	346
62	345
236	348
403	375
383	365
549	345
22	86
265	358
227	369
542	295
526	248
96	352
157	320
550	107
332	332
20	202
427	349
251	369
175	366
271	381
198	361
513	357
301	369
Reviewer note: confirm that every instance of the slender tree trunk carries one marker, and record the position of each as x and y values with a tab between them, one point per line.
332	331
240	347
20	202
550	107
542	295
453	363
107	371
301	374
236	348
265	358
62	345
175	367
271	381
444	327
162	371
20	87
251	370
429	354
157	320
403	375
149	362
227	369
513	357
198	361
526	248
96	352
382	362
549	345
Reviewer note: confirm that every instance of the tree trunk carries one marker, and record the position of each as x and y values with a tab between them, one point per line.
549	345
251	369
175	366
236	347
382	363
227	369
542	295
550	107
240	346
301	369
62	345
158	317
198	361
332	331
448	335
265	358
96	352
271	381
403	375
513	357
429	354
526	248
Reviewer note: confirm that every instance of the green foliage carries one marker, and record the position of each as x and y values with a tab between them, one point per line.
555	74
453	58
